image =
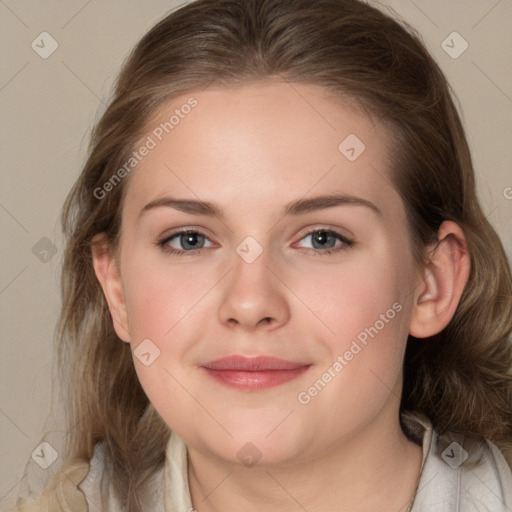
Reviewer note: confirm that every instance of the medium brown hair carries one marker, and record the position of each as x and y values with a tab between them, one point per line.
460	378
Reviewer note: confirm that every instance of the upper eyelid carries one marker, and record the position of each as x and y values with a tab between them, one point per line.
345	240
337	231
180	231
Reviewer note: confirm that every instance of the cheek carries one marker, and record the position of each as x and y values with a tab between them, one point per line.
161	298
352	296
361	303
162	305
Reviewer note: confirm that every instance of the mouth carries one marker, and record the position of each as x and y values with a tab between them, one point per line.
253	373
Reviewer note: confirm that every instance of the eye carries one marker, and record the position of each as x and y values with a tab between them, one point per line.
326	241
191	241
185	241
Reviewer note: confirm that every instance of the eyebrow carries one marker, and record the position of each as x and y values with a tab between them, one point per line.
299	207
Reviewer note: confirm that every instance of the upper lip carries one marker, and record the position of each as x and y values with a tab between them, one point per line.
252	364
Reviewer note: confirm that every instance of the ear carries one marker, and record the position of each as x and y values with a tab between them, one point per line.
443	281
109	276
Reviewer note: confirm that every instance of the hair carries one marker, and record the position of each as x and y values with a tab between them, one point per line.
460	378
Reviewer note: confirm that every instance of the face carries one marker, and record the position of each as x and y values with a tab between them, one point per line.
296	248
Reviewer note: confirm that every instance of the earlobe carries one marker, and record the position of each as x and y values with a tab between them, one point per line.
109	277
443	281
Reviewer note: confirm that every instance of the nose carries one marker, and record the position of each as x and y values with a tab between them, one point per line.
254	297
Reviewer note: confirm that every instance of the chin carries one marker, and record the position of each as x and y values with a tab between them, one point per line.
256	447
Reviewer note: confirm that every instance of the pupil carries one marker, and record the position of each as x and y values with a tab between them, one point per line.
323	238
190	240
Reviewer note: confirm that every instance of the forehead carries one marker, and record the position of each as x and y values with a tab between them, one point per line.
267	142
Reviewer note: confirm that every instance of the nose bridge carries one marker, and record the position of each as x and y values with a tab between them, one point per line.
251	267
253	293
251	277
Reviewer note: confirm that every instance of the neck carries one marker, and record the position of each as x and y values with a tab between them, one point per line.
369	471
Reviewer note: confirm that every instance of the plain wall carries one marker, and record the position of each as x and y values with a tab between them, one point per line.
49	106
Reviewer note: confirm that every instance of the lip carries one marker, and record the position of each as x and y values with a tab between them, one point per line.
253	373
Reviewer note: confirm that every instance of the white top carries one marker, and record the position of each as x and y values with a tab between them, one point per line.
445	485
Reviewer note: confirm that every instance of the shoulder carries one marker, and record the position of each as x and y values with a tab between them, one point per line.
79	486
61	494
99	492
87	485
96	485
460	475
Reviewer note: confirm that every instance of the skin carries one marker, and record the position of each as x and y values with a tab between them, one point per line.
252	150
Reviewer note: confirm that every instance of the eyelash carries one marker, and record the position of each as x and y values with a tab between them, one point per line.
163	243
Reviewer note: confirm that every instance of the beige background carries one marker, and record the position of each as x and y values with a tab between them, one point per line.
49	105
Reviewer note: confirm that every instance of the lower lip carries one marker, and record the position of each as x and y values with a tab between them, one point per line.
254	380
